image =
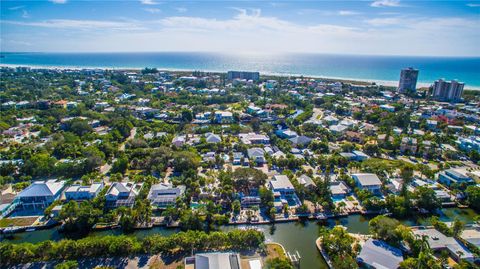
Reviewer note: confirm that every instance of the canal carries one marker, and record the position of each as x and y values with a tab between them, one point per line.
294	236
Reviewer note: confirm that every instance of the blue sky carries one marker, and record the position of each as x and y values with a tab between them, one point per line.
386	27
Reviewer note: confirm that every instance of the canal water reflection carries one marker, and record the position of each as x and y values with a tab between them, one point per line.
294	236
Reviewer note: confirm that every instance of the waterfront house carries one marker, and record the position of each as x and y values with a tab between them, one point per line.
454	176
122	194
214	260
164	194
283	191
339	190
439	242
379	255
249	201
369	182
40	194
78	192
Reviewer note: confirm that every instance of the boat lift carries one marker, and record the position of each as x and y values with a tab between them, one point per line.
294	258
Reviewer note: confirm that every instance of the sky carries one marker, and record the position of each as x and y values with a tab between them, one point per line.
380	27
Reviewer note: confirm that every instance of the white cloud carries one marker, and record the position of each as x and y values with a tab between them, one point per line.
347	13
473	5
153	10
16	7
310	11
58	1
250	31
149	2
383	21
181	9
80	24
385	3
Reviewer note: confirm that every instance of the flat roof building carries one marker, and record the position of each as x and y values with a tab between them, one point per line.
408	80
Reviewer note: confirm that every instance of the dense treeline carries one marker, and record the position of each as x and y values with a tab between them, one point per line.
182	242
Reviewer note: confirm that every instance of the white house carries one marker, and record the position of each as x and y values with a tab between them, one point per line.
253	138
223	117
369	182
163	194
78	192
283	191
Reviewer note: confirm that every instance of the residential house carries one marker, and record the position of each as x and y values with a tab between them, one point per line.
339	189
79	192
40	194
408	144
164	194
338	129
223	117
237	158
379	255
256	155
286	133
369	182
283	191
214	260
439	242
122	194
213	138
454	176
300	141
306	181
253	138
331	120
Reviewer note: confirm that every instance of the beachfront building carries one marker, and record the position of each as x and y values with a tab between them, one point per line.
78	192
164	194
255	76
369	182
40	194
448	91
408	80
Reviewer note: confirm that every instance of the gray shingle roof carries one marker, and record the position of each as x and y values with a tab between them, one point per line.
379	254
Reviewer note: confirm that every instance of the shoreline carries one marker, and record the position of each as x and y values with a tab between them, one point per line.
386	83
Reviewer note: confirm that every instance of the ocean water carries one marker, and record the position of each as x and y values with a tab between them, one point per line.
370	68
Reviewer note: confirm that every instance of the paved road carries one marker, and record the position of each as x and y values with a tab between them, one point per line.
133	132
105	169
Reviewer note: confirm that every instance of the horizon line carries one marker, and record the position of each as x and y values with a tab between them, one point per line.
246	53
